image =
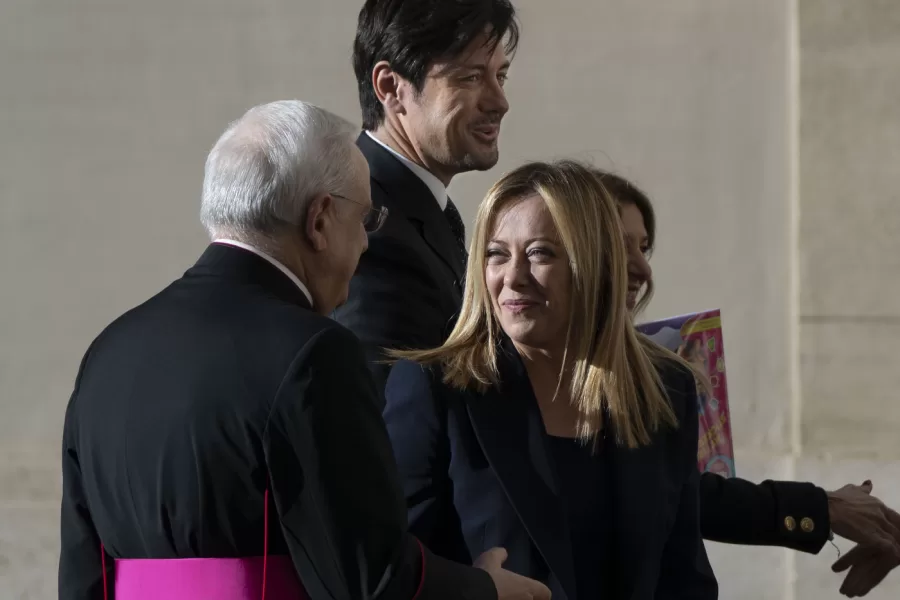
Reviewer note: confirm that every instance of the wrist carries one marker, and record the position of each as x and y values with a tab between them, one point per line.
835	506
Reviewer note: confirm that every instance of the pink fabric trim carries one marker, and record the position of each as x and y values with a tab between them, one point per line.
212	578
265	540
422	571
103	569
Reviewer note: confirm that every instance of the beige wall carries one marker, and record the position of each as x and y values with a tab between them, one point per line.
109	109
850	227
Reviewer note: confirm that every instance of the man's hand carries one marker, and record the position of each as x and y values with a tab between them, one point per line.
862	518
868	567
509	585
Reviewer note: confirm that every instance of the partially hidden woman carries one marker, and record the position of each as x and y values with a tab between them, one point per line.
792	514
545	424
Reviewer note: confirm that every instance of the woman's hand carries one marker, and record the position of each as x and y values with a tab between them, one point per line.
862	518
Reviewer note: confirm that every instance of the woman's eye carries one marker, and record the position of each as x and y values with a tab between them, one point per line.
494	255
540	253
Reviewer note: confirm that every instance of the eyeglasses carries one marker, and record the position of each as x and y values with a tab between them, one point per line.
374	217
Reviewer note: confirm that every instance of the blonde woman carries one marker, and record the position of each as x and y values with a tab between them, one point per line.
544	424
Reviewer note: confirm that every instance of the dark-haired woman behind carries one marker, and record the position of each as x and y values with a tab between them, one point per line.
544	424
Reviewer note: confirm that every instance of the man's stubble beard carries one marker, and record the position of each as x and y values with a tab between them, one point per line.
479	162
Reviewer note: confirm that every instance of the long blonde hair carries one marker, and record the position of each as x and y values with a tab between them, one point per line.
626	192
611	365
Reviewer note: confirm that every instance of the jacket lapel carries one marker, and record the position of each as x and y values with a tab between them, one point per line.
639	480
438	235
509	428
412	197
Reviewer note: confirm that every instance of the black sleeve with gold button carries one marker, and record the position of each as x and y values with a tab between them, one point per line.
789	514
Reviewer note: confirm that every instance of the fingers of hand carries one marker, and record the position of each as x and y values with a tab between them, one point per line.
857	582
492	559
892	520
855	555
869	528
540	592
889	533
868	567
500	555
862	578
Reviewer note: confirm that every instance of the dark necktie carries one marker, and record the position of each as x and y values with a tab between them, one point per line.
457	228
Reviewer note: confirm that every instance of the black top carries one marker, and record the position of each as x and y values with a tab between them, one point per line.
583	475
189	406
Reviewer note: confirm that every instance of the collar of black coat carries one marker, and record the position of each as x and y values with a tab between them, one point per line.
236	264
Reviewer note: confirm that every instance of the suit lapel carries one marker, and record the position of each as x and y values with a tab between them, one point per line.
509	428
412	197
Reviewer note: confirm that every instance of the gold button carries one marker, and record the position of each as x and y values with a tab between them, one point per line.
789	523
807	525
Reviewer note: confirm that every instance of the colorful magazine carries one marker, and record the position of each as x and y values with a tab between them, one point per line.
697	337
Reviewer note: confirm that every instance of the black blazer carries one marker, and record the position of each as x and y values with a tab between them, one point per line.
408	285
189	406
771	513
477	474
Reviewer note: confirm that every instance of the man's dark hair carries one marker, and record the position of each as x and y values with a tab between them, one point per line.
412	34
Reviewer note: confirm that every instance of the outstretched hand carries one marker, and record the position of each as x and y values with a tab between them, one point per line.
862	518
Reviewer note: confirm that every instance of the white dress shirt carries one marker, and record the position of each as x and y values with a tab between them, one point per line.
434	184
272	261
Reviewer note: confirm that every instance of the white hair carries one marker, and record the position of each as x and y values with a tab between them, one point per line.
269	164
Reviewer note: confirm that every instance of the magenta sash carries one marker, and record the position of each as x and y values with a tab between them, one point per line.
265	577
212	578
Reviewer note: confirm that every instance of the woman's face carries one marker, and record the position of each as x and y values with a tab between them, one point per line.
637	245
528	275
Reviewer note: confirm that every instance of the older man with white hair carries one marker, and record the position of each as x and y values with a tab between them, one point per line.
224	439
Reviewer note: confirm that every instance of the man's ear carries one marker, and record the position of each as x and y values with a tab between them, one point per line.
319	215
387	86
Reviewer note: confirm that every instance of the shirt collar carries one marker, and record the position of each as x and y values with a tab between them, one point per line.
438	189
272	261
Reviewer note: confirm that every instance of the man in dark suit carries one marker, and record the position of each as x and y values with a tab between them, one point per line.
231	396
430	77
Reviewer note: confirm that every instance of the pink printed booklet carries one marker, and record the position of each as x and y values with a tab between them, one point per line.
697	337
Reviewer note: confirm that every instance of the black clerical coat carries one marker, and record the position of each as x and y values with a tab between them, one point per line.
189	407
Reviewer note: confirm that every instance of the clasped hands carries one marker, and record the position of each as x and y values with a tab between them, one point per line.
858	516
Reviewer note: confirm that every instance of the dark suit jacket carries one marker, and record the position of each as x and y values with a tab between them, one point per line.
408	285
771	513
477	474
189	406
